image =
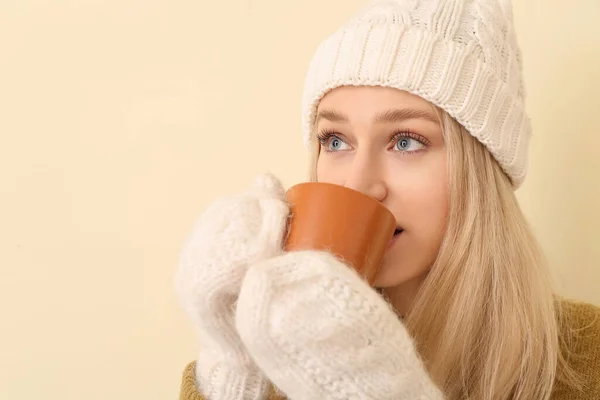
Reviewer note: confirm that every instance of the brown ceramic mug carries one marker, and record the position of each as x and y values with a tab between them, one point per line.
351	225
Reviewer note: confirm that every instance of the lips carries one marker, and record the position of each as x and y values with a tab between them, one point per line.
397	233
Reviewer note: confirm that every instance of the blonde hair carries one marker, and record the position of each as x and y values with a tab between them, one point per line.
485	321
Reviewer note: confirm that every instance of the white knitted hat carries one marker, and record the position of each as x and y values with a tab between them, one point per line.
461	55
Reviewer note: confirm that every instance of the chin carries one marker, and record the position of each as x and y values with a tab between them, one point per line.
390	275
400	267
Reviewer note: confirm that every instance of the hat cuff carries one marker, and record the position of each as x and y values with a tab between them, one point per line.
443	72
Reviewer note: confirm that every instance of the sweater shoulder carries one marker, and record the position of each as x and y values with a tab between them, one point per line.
580	326
580	342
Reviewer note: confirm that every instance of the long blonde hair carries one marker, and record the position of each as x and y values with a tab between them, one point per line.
485	321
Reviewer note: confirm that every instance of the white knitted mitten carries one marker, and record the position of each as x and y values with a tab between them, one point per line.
231	234
318	331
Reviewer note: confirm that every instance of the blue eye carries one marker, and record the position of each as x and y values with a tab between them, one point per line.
335	144
408	144
331	142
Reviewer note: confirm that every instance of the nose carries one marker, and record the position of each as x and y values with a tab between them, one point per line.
366	176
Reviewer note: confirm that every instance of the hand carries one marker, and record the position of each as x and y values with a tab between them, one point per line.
318	331
233	233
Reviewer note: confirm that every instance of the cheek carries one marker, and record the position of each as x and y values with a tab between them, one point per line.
431	215
427	200
329	171
419	200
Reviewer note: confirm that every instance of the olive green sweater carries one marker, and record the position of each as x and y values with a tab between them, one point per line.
583	352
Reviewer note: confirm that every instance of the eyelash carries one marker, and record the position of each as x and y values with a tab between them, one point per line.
325	135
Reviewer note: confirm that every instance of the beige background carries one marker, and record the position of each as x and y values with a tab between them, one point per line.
120	120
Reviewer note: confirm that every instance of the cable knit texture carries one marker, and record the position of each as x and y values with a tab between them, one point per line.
461	55
319	331
231	234
584	323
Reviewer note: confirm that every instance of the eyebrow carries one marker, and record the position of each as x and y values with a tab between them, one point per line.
388	116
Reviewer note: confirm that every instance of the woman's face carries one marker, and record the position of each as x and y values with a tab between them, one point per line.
388	144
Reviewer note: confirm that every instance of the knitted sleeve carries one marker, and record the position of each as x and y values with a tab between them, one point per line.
189	390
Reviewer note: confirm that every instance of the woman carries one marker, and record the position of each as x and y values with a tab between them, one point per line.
419	104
